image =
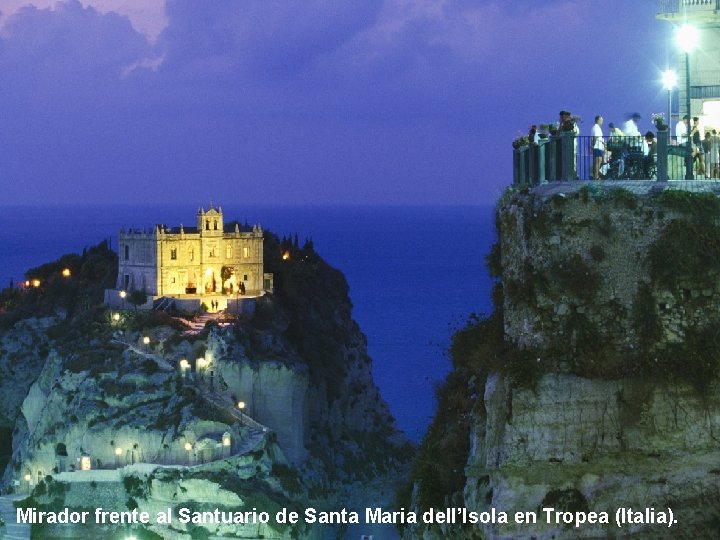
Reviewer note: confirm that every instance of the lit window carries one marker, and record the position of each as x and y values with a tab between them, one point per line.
246	252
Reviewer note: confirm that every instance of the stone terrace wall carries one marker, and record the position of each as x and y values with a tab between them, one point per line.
606	268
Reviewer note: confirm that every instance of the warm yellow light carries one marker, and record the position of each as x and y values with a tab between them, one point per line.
146	340
123	294
241	405
116	316
184	364
188	446
118	451
27	284
35	283
286	255
201	362
226	441
66	272
85	463
27	477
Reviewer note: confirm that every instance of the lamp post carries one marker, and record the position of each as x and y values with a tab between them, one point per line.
188	449
241	406
669	79
118	453
123	294
687	37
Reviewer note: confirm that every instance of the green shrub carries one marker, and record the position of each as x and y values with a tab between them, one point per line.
493	261
624	198
576	277
597	253
645	318
686	250
701	207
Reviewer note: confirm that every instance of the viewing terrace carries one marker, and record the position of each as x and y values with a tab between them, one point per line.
688	10
564	157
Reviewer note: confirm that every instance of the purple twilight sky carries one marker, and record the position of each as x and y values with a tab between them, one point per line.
305	102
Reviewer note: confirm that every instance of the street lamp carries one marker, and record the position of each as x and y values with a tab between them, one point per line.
687	38
123	294
241	406
669	80
118	453
188	449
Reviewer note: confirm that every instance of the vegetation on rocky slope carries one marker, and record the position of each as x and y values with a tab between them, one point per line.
683	274
306	321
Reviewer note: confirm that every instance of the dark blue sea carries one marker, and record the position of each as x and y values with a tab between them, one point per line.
415	273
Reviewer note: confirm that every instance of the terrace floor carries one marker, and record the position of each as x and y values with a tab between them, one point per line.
638	187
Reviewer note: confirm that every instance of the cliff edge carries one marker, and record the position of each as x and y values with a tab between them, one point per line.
594	385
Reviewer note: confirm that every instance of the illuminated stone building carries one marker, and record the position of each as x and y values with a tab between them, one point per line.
210	259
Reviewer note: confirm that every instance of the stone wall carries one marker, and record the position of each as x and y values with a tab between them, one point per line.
584	259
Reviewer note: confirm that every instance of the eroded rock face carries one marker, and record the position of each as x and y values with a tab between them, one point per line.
125	407
23	351
608	396
625	443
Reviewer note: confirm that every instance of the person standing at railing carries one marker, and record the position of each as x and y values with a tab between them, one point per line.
714	154
698	150
630	129
615	133
649	153
597	143
681	130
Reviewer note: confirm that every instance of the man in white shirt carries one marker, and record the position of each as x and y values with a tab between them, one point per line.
598	146
681	131
630	129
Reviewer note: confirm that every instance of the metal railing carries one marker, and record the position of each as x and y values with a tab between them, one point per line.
566	157
674	6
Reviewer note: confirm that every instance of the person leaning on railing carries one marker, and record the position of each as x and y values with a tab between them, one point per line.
681	130
615	133
597	144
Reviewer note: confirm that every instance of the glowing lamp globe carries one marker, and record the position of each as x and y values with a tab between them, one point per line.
669	79
687	38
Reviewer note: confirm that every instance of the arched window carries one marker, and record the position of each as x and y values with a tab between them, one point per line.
215	224
207	224
127	252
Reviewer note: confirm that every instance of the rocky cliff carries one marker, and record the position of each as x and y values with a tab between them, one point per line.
594	385
157	423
